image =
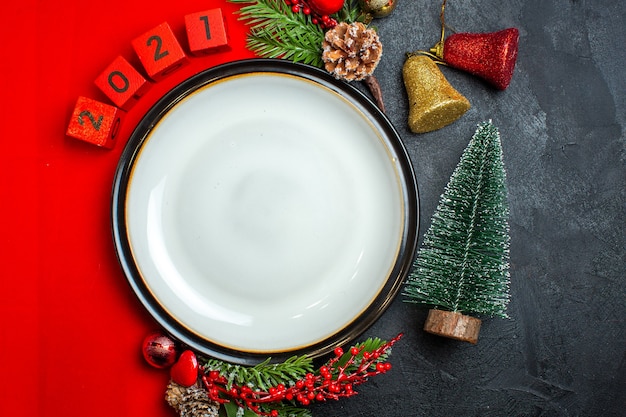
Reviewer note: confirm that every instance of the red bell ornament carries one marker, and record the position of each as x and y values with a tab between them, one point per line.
490	56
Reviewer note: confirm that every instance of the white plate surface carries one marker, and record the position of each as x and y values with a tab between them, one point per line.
264	212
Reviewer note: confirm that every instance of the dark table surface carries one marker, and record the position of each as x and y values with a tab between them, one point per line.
562	125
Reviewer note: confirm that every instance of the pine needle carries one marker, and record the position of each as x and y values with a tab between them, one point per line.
265	374
369	345
277	32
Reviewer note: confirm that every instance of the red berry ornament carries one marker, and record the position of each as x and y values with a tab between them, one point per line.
159	350
325	7
491	56
185	370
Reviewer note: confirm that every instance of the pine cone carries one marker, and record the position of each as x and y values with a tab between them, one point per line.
190	402
351	51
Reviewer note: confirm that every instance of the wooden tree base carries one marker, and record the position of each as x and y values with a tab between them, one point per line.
453	325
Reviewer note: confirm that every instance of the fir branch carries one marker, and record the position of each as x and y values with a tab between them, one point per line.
277	32
369	345
265	374
285	410
351	12
462	265
277	390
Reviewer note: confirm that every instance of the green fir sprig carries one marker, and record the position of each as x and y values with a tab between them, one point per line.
353	12
370	345
285	389
263	375
233	410
463	264
277	32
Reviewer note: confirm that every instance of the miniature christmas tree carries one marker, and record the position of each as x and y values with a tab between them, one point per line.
462	267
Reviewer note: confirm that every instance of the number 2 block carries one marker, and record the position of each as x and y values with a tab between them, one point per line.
159	52
95	122
206	32
122	83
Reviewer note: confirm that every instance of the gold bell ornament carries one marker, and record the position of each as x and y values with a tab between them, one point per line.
433	102
378	8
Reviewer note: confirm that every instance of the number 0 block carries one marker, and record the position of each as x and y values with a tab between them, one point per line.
206	32
159	52
122	83
95	122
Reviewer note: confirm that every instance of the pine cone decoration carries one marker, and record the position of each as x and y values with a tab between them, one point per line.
351	52
190	402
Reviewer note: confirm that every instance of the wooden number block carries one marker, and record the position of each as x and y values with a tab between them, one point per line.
206	32
159	52
95	122
122	83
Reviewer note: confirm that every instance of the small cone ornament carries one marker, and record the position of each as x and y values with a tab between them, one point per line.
490	56
433	102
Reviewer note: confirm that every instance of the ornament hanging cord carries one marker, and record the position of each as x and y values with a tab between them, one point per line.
436	52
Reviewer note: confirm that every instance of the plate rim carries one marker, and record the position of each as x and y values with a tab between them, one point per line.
409	188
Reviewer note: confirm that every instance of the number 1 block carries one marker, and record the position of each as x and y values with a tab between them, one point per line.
122	83
159	52
95	122
206	32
